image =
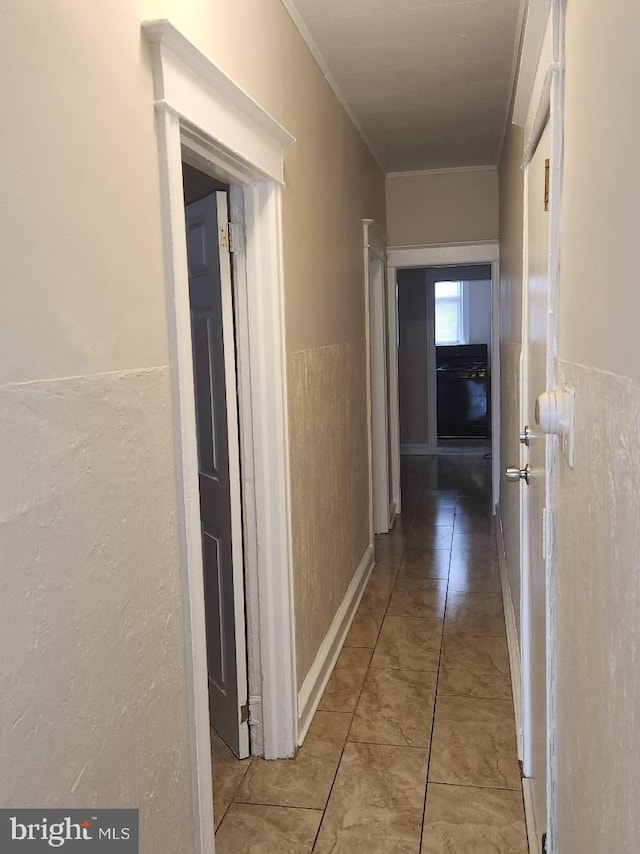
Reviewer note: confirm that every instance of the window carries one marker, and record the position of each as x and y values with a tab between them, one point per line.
449	313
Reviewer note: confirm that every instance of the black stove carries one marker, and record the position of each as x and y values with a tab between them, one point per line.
463	391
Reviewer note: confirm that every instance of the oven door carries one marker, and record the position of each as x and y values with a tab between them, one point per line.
463	404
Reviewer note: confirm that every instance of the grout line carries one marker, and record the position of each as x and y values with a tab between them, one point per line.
435	701
473	786
277	806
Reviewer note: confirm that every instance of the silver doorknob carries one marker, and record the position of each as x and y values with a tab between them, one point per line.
525	436
513	473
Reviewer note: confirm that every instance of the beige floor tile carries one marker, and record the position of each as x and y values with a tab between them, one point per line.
376	802
474	574
474	743
461	820
389	549
306	780
380	585
408	643
367	622
345	683
475	614
413	597
439	497
253	829
464	545
434	516
421	564
395	707
228	774
475	666
434	538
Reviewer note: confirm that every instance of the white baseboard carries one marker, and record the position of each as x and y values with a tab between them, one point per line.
417	450
530	816
321	669
512	632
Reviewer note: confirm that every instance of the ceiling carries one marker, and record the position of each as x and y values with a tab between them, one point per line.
427	81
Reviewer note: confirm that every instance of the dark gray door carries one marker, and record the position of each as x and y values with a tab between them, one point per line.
210	296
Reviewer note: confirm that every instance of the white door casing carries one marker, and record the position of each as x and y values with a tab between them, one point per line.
203	117
376	298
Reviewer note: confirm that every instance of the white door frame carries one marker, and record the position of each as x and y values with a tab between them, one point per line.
203	117
452	254
382	510
539	99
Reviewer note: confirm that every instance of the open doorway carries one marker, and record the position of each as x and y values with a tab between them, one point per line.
462	321
444	359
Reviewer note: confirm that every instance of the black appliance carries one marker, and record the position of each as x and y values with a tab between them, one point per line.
463	391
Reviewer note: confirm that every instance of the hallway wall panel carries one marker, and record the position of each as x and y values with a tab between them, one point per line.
330	493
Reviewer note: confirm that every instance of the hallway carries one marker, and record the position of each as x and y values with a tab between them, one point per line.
429	634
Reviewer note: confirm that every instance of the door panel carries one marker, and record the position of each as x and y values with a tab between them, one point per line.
534	494
210	297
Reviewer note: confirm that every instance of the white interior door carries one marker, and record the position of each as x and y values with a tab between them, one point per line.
534	606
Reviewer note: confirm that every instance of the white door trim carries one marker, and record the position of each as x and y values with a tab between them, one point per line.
382	510
483	252
202	116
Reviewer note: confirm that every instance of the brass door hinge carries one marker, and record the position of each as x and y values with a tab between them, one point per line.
244	713
546	184
223	237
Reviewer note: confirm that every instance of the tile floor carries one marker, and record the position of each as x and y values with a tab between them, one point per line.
413	747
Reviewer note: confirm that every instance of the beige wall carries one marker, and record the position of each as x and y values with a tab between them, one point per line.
511	202
91	629
442	207
598	504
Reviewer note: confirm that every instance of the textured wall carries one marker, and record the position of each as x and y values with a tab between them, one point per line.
511	208
598	505
329	485
597	616
442	207
91	637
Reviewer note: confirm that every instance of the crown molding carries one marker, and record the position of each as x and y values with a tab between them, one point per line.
537	16
416	173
